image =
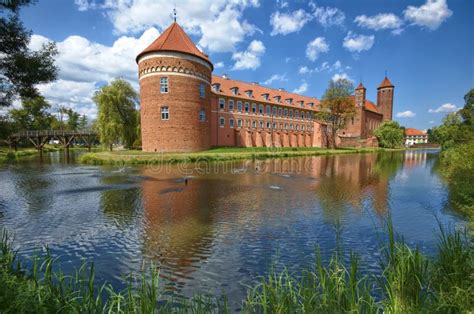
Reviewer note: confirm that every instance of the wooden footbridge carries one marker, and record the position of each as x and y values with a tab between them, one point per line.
40	138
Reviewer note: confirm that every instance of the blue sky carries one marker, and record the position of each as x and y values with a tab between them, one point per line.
425	46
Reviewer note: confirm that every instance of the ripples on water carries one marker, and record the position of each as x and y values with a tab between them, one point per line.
214	229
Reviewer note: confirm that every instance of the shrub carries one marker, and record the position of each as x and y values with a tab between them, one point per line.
389	134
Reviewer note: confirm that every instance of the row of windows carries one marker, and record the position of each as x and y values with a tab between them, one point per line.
263	125
264	110
164	87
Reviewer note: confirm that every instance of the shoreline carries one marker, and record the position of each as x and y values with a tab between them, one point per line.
131	157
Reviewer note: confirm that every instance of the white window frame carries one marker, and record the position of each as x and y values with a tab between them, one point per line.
221	104
239	123
231	123
202	90
165	113
231	105
164	85
247	107
239	106
202	115
221	122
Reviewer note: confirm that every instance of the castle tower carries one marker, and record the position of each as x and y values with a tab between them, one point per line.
360	95
175	95
385	98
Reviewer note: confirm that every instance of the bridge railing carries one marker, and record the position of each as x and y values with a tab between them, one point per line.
40	133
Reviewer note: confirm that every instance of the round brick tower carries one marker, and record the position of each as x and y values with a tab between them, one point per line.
175	94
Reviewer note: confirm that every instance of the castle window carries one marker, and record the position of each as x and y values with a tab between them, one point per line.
265	96
231	105
279	111
164	85
269	110
297	114
239	106
217	87
239	123
231	123
285	112
291	113
274	125
301	103
254	108
260	109
235	90
311	104
274	111
268	125
248	93
202	115
289	101
165	113
261	124
247	107
221	122
202	90
221	103
277	98
254	124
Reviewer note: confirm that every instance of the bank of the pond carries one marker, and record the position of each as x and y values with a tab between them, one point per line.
409	282
218	154
7	155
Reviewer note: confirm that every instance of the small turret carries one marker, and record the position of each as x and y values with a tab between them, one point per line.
360	95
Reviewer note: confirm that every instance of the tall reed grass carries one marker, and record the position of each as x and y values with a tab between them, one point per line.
408	282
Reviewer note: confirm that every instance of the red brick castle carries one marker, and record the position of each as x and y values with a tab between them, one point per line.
186	108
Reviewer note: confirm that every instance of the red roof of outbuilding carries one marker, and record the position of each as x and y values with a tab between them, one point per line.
174	38
386	83
412	131
369	105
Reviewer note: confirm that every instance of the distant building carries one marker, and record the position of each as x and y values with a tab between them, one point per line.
184	107
414	136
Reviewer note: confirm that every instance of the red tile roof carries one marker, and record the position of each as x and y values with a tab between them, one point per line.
257	91
360	86
369	105
413	132
386	83
175	39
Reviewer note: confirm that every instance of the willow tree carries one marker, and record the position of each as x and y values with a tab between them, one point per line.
336	107
116	118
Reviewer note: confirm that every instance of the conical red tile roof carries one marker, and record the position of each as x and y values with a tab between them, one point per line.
386	83
174	38
360	86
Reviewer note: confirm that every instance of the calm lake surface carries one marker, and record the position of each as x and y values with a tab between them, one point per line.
230	223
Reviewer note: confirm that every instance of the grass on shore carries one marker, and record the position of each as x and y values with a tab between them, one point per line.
7	155
408	283
216	154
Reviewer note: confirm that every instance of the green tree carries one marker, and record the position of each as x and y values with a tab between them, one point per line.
116	119
390	134
336	107
20	68
83	122
33	115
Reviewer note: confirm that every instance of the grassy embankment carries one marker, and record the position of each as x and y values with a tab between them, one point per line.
7	155
457	166
216	154
408	283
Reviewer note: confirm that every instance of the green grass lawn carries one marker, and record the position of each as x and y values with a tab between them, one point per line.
215	154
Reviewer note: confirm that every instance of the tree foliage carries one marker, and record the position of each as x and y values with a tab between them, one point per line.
390	134
457	127
33	115
336	107
20	68
117	116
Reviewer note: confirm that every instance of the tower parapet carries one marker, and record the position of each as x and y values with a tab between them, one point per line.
175	95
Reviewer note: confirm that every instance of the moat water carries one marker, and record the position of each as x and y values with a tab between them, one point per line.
215	228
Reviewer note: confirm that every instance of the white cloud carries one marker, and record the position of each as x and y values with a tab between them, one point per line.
357	43
325	66
316	47
276	77
219	23
432	122
380	21
286	23
219	65
301	89
405	114
84	5
327	16
430	15
250	58
445	108
342	76
83	65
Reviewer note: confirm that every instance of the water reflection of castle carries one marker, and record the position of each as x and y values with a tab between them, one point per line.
183	221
